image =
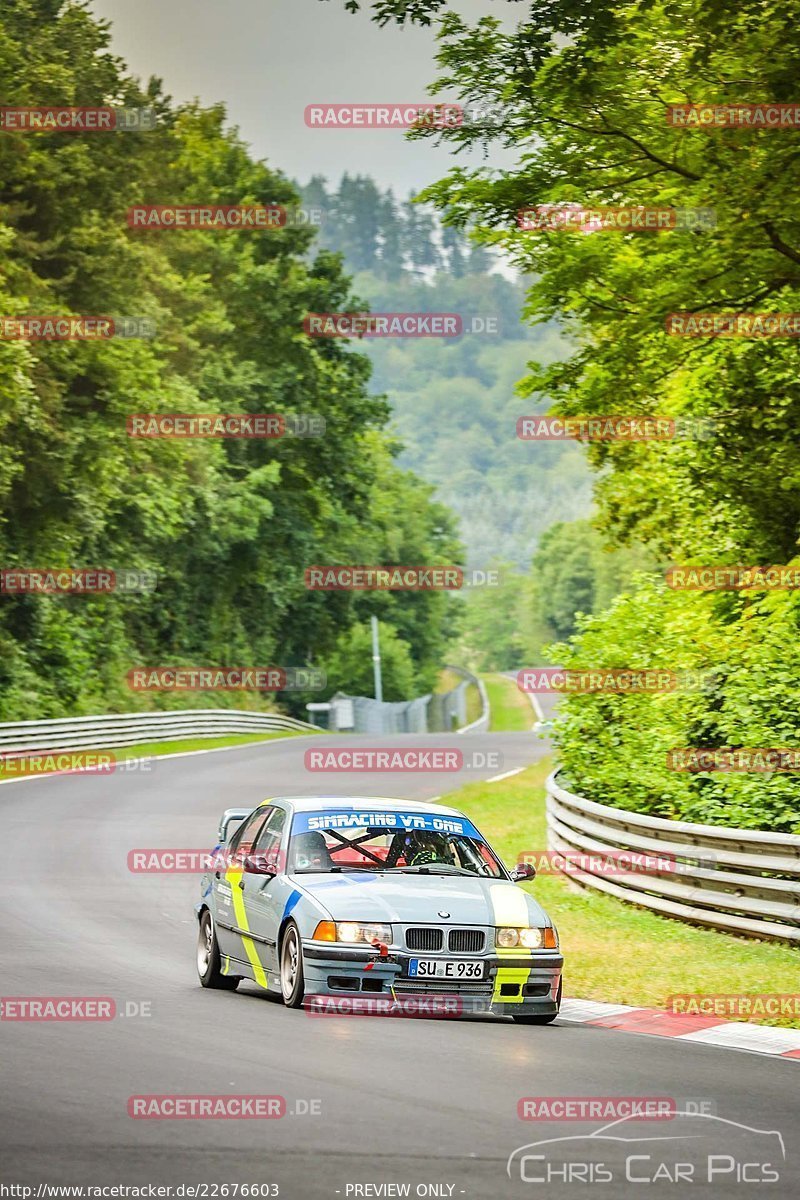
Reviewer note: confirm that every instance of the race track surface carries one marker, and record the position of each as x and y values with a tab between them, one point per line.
401	1101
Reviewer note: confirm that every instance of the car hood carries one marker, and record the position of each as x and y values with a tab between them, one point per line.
404	899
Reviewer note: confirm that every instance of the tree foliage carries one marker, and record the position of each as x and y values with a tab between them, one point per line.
579	92
454	401
392	239
227	526
744	655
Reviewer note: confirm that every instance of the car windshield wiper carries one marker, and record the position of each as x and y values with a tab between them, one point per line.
435	869
328	870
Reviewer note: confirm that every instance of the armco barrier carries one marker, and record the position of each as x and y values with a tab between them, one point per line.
442	712
481	724
738	880
128	729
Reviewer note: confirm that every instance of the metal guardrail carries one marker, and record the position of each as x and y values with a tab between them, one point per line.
481	724
365	714
737	880
438	712
128	729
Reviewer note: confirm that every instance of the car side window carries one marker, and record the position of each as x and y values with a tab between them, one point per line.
242	841
269	838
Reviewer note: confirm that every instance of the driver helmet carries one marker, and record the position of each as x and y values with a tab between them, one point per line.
421	848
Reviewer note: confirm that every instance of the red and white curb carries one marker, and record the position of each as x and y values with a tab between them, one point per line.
706	1031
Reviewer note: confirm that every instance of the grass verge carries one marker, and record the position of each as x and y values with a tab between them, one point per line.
447	680
511	710
474	708
614	951
155	749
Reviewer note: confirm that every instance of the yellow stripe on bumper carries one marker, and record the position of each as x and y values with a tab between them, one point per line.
515	975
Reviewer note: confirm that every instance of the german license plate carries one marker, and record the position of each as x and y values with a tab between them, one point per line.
444	968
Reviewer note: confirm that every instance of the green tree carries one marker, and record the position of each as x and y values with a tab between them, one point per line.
419	241
453	248
574	573
357	216
580	93
349	668
390	265
228	527
489	622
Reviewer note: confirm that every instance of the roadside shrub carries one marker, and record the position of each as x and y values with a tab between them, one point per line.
614	746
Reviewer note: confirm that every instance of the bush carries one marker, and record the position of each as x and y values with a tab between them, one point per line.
614	746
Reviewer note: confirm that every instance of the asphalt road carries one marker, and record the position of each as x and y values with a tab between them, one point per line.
400	1101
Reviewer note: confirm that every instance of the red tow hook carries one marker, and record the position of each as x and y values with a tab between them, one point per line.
381	956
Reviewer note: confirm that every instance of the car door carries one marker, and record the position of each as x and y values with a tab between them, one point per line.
263	894
225	879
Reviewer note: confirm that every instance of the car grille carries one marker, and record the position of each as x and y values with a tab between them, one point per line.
466	941
424	939
447	987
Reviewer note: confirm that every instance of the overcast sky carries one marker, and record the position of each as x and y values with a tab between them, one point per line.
267	59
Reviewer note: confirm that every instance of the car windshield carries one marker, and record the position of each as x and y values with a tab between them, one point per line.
389	842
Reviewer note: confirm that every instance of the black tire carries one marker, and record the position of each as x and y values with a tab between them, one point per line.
208	960
541	1019
293	987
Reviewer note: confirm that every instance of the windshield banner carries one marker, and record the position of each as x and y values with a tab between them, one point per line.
364	819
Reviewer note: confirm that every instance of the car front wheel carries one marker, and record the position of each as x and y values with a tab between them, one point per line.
208	958
292	981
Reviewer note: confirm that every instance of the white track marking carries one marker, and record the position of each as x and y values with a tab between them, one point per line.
505	775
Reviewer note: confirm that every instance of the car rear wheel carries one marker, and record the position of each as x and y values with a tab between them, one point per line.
541	1019
208	958
292	981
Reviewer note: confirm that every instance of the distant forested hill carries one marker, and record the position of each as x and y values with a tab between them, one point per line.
454	402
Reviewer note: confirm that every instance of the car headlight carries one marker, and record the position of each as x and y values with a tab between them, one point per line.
356	931
530	938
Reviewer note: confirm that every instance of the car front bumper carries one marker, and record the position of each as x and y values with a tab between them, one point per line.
512	984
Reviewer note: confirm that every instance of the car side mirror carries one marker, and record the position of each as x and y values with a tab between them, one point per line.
260	864
523	871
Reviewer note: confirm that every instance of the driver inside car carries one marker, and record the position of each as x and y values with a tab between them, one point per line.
422	848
